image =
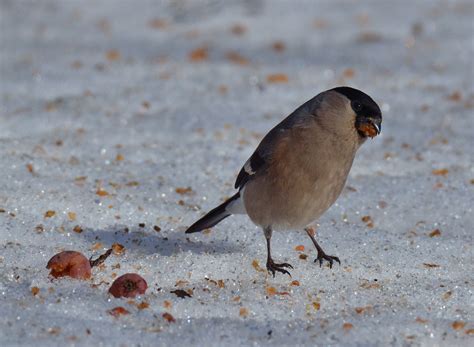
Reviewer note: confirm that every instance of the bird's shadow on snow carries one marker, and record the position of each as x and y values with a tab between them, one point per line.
165	243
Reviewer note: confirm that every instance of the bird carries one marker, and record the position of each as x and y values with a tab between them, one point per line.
300	168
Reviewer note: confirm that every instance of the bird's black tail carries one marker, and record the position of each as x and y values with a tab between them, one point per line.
213	217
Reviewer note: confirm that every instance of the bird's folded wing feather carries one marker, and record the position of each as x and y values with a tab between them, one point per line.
255	164
262	157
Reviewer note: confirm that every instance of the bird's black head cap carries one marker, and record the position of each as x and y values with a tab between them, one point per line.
368	120
361	103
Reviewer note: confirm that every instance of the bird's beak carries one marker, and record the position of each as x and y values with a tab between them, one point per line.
369	126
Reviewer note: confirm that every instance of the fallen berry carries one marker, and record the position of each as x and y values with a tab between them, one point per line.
128	286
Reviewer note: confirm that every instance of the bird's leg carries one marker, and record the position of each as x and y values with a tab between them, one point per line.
321	255
271	265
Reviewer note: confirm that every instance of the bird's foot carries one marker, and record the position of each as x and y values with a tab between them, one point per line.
329	258
272	267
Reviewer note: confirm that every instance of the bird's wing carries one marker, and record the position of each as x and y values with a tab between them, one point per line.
258	161
262	157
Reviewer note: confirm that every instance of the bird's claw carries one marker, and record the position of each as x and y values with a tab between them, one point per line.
329	258
272	267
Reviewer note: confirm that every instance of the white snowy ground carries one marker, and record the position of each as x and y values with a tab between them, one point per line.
103	94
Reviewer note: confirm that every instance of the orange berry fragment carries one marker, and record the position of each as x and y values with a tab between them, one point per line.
118	311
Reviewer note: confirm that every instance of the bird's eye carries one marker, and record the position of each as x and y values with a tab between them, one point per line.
357	106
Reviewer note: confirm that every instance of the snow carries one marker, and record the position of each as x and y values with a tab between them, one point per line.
94	96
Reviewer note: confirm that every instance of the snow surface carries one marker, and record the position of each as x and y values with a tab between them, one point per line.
98	90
